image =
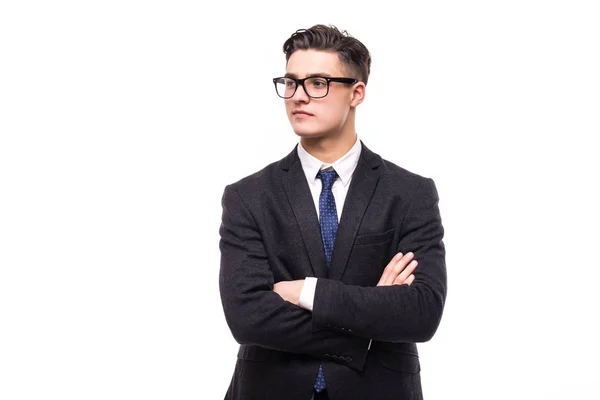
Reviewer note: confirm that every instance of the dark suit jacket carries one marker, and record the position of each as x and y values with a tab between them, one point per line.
270	232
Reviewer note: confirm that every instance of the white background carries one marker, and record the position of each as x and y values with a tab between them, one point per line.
122	121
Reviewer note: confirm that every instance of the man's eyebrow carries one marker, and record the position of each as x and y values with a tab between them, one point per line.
292	75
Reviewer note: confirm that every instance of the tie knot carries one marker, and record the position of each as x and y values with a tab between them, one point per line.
327	177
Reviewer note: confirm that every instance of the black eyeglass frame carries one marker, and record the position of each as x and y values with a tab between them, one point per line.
299	82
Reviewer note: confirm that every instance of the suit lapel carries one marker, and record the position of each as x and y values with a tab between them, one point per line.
300	198
363	184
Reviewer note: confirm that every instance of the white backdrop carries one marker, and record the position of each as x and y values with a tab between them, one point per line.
122	121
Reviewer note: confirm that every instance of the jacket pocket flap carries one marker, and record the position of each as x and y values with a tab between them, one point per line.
405	362
373	239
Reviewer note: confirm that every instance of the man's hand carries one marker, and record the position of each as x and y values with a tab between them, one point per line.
289	290
397	272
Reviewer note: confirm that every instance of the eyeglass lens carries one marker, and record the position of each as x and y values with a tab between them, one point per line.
315	87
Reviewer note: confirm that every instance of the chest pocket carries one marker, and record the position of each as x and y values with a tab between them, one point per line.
378	238
368	258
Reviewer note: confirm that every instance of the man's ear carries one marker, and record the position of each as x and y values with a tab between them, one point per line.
358	94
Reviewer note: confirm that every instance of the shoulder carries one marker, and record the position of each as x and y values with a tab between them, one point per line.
401	179
400	182
265	179
395	177
252	185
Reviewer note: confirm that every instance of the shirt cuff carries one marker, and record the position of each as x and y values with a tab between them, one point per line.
307	295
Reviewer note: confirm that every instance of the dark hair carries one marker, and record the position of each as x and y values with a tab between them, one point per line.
351	52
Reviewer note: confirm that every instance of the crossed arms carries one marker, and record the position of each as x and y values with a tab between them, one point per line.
344	317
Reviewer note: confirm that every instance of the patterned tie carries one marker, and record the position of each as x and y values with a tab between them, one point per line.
328	219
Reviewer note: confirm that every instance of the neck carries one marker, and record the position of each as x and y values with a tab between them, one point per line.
331	147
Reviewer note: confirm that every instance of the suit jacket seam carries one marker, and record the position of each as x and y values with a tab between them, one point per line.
247	209
410	203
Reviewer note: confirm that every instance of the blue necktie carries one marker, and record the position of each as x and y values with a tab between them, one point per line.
329	222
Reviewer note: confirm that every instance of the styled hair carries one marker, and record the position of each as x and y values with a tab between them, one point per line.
351	52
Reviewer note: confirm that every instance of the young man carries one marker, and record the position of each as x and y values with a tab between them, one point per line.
319	278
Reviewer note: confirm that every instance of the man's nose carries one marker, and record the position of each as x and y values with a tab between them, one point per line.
300	94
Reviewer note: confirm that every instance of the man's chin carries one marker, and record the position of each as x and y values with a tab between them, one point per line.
307	133
310	135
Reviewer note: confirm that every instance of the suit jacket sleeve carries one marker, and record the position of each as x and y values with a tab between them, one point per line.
256	314
397	313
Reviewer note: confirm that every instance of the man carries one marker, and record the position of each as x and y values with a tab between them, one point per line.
332	259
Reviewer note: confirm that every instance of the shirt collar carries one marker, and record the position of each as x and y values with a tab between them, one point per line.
344	166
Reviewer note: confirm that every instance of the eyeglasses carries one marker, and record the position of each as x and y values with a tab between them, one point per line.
315	87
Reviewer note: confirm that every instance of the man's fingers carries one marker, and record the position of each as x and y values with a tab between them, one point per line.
407	281
388	275
394	267
388	268
397	268
403	276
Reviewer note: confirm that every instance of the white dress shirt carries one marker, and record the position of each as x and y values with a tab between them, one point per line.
344	167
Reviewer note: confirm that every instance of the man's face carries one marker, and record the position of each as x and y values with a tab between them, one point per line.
329	114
